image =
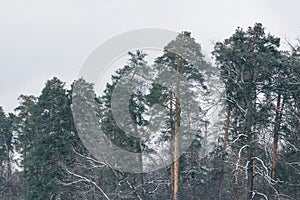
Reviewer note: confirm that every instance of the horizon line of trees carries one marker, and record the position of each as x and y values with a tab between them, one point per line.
251	151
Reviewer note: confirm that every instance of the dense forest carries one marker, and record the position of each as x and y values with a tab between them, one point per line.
231	128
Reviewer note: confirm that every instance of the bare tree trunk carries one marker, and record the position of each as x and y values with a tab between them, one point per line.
239	160
9	176
176	155
192	153
171	138
250	152
227	130
224	151
142	171
140	156
25	171
250	100
254	161
276	135
176	139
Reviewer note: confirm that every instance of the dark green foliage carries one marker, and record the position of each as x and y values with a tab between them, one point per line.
256	76
46	138
6	152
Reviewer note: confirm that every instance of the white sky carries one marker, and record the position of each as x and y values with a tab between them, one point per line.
42	39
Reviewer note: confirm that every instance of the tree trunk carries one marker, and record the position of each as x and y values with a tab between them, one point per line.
9	176
140	156
276	135
239	160
250	100
226	130
176	139
250	152
176	153
254	161
224	152
25	171
171	138
192	153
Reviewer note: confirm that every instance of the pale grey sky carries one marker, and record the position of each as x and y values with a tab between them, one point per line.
42	39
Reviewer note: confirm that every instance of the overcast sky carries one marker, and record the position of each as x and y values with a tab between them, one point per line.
42	39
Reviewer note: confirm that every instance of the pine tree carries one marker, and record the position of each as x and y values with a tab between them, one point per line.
52	148
114	127
102	111
287	168
248	60
183	57
6	152
26	134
